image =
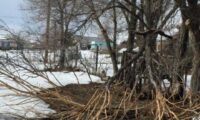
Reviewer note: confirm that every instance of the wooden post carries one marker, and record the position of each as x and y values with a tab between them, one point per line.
97	55
76	56
186	76
161	47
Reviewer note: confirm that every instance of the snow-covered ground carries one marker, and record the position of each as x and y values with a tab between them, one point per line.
15	101
167	83
104	61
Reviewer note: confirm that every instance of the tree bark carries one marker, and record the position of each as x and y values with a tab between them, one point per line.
181	54
194	34
192	22
62	39
132	27
47	31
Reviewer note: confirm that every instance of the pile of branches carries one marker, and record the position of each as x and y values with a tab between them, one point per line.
103	105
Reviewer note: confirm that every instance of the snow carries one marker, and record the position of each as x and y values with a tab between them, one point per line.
17	102
166	83
22	105
124	49
87	54
104	62
28	106
57	78
189	77
136	49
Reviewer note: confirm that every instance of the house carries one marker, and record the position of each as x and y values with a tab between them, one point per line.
6	44
87	42
100	43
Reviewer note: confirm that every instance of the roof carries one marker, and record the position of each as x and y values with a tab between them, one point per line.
93	39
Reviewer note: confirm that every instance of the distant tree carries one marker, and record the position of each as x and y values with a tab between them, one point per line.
69	15
98	8
41	13
63	17
48	14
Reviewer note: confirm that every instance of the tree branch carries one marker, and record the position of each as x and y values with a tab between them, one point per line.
144	34
168	16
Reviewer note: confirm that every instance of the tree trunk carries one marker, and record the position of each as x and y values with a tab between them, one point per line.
193	25
128	76
110	49
62	40
112	52
114	58
194	34
183	41
148	61
139	39
115	27
132	27
181	53
55	42
47	31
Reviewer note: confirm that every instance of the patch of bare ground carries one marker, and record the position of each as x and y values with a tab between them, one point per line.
93	101
76	93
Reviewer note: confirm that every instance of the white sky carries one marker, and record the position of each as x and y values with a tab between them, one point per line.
15	18
11	14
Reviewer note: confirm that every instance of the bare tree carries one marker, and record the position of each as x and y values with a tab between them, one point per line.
41	13
96	15
147	16
47	30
